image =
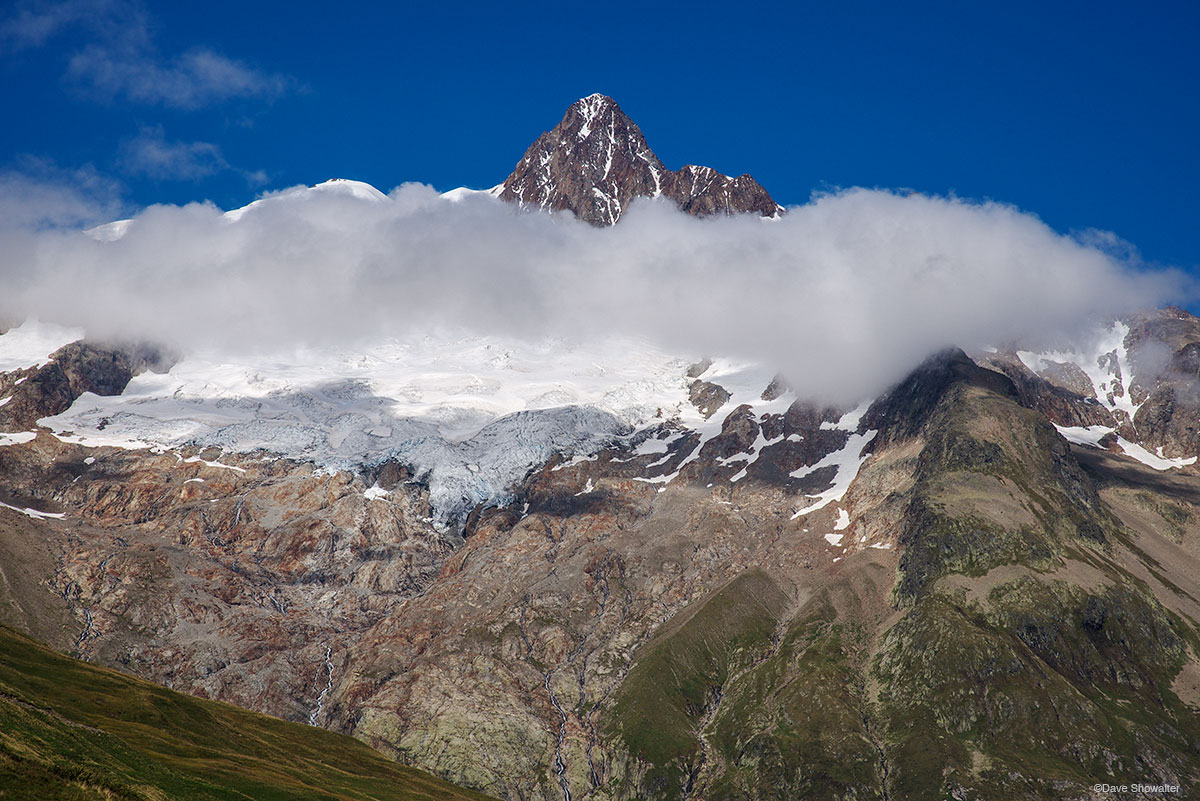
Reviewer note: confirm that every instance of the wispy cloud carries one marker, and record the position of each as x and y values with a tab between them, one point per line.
121	60
1110	243
151	154
40	194
191	80
34	24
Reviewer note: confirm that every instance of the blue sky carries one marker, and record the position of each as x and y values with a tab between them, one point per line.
1085	114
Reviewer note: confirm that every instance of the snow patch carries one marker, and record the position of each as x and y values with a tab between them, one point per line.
1157	461
848	460
218	465
745	384
336	186
756	449
1106	365
574	460
461	193
109	232
850	420
34	513
1084	435
653	445
1091	436
19	438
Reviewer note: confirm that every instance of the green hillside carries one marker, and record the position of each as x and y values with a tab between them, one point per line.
73	731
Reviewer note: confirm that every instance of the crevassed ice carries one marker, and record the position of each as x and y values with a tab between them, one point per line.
472	415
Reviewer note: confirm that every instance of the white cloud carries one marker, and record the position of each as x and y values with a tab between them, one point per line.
33	24
120	59
845	294
190	80
40	195
1110	243
151	154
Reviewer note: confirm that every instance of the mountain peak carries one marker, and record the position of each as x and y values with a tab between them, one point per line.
593	104
596	161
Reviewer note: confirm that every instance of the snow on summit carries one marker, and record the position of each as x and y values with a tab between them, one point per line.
336	186
360	190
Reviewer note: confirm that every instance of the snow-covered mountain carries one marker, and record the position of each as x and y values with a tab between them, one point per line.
601	569
471	416
111	232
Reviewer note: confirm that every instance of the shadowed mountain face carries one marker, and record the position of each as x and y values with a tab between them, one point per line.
596	161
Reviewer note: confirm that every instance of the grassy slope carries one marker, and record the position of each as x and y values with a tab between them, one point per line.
70	730
794	727
662	703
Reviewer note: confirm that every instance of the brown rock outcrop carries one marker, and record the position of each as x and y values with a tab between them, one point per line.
71	371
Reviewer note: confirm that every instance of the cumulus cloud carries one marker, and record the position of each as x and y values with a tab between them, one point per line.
844	294
120	58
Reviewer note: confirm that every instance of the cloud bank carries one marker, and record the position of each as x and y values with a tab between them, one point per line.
844	294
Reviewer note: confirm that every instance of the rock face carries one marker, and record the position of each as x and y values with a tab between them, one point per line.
982	606
1141	381
596	161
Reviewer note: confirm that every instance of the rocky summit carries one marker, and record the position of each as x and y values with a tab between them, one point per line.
595	162
605	573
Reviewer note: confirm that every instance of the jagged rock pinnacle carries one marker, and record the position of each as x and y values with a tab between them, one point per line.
596	160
